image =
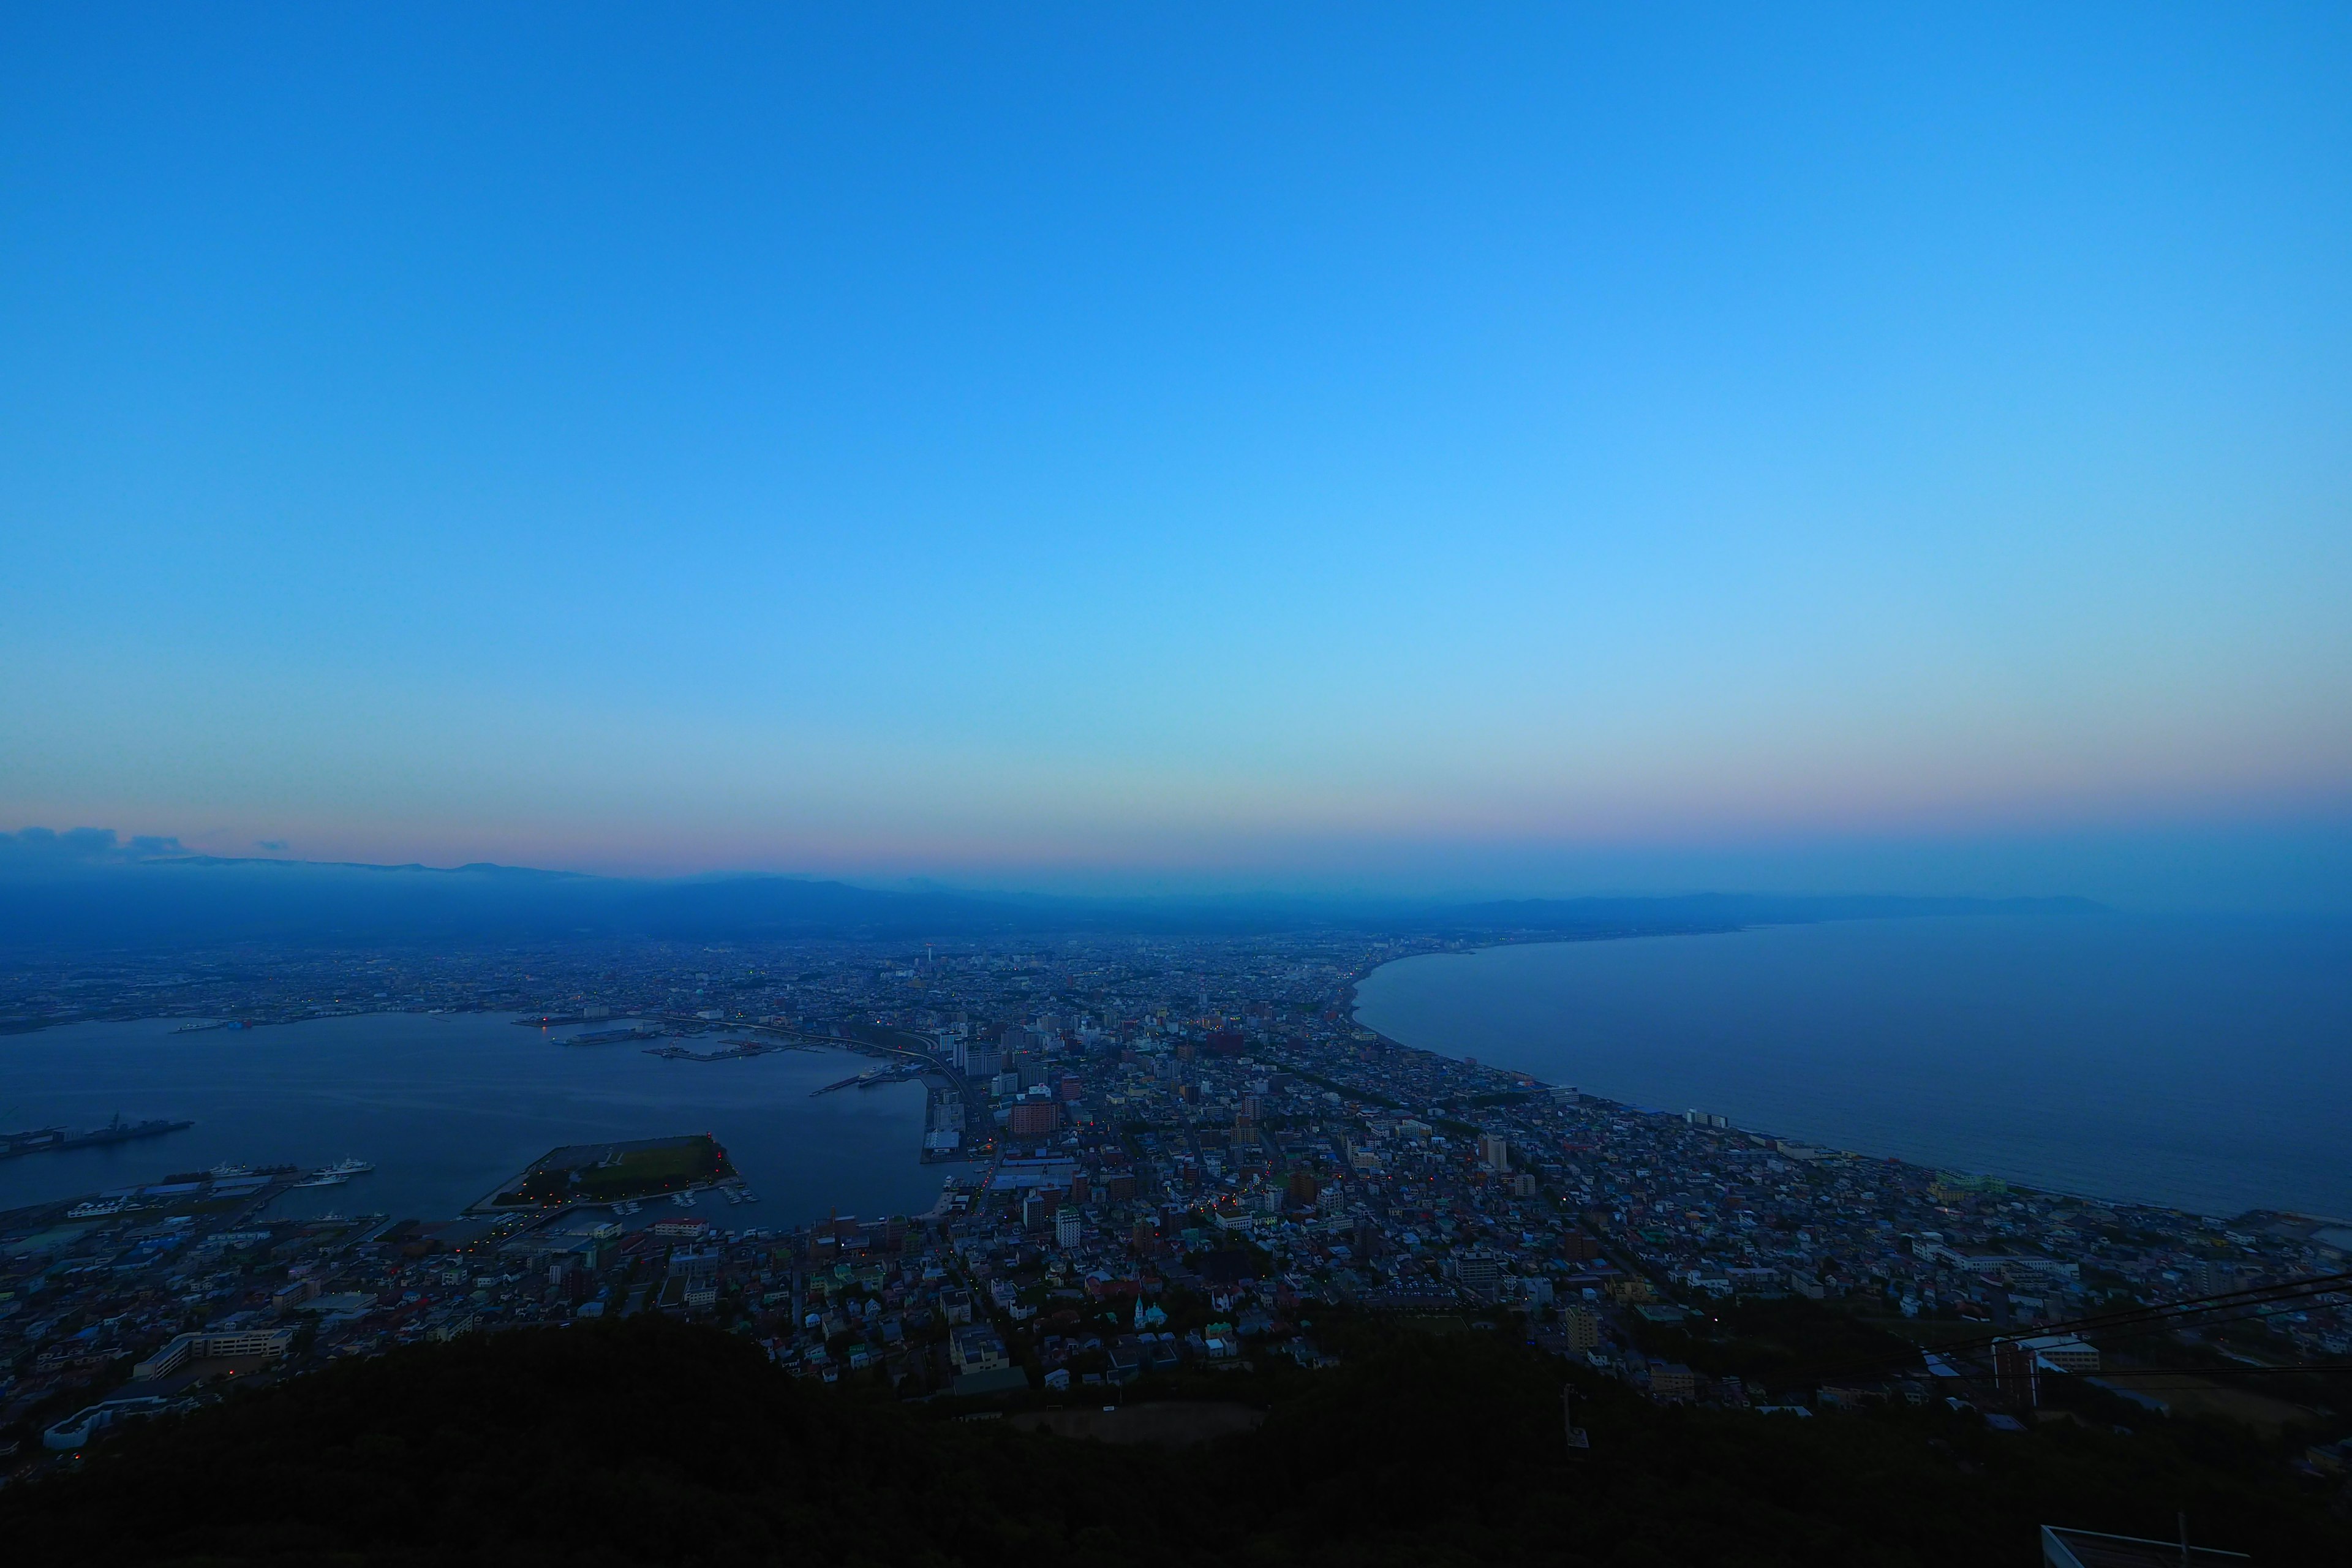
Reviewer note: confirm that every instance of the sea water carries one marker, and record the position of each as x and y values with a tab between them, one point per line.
447	1106
2203	1064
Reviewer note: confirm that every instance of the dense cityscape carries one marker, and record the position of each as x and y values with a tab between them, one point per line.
1160	1157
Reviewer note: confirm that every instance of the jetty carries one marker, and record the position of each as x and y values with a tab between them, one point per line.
874	1077
51	1140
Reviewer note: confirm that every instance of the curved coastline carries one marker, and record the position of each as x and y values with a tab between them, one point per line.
1833	1052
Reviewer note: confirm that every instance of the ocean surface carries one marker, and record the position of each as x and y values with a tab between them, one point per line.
2201	1064
447	1106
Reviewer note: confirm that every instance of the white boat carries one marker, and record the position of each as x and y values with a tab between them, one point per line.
324	1179
683	1200
353	1167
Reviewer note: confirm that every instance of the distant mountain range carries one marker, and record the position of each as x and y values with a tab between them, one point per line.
146	901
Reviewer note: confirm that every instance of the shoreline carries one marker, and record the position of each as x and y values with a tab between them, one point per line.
381	1042
1351	1002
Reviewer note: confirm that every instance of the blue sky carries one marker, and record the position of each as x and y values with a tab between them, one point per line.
1513	451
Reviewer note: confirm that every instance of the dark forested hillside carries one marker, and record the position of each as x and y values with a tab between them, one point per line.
653	1443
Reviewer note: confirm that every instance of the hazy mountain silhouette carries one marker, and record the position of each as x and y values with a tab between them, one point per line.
89	891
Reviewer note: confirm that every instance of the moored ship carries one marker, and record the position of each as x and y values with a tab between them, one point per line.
48	1140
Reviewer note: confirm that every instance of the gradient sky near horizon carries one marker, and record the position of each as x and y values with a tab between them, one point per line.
1511	449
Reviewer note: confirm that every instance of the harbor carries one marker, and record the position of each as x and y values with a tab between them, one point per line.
448	1105
56	1140
226	1188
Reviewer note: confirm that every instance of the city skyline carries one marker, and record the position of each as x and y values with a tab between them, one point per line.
1327	453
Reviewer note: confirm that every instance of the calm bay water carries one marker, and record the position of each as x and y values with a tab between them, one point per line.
447	1106
2202	1064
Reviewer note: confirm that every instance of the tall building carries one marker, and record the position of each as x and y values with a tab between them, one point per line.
1495	1150
1066	1226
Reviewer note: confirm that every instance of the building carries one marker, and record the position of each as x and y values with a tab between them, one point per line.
166	1362
1066	1226
76	1430
1480	1273
1581	1328
222	1346
1034	1119
292	1294
569	1279
1672	1379
1495	1151
2064	1353
2208	1277
977	1348
244	1342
